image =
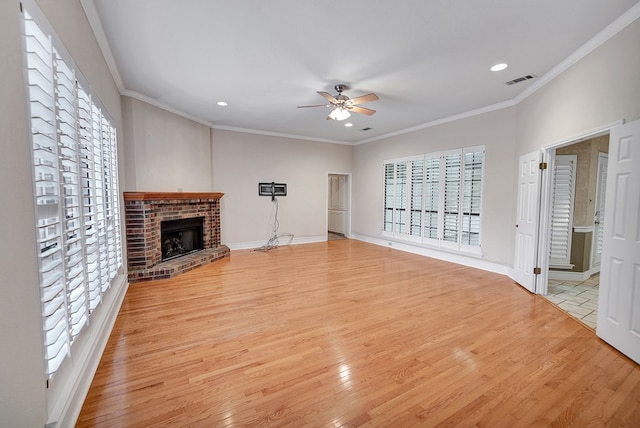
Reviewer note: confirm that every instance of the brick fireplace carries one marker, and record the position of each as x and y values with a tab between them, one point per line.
144	213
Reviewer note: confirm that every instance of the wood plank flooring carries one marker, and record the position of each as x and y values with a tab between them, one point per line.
345	334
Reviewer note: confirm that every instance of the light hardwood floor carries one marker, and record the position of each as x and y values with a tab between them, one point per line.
344	334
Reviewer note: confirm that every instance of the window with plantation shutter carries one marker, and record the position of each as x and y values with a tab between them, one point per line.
472	189
562	211
432	197
451	208
416	196
444	194
400	213
76	193
389	196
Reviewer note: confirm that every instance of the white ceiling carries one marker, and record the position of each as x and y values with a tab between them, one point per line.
427	60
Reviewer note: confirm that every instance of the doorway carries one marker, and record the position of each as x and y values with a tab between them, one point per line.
577	218
338	206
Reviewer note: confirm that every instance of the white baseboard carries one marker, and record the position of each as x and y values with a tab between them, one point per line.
461	259
572	276
283	241
70	396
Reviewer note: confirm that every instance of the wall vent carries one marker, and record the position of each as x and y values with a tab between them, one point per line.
520	79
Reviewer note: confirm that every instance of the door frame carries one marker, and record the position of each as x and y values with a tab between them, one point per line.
602	157
347	232
544	237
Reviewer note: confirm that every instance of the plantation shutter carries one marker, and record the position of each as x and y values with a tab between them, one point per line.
452	177
417	179
389	196
472	185
66	102
42	103
74	166
562	210
432	196
400	218
436	198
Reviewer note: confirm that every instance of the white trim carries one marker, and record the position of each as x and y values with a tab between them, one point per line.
279	134
592	133
583	229
471	113
156	103
611	30
162	106
567	266
572	276
252	245
66	409
457	258
98	31
347	232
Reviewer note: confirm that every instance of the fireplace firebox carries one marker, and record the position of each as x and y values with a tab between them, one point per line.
181	237
144	214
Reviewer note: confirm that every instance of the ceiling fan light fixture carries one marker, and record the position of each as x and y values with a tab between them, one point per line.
339	113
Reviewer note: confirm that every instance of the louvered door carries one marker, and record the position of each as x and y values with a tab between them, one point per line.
562	211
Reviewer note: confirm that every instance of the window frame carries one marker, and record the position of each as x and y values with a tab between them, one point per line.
64	176
468	186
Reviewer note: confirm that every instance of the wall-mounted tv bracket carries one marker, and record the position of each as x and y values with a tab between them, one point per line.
272	189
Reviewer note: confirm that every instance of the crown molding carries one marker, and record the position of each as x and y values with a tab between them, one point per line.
444	120
96	26
609	31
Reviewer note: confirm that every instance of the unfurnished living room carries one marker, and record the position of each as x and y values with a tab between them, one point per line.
305	213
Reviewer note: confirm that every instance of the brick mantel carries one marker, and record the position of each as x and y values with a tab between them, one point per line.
160	196
144	212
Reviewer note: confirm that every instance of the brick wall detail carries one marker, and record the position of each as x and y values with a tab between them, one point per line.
143	215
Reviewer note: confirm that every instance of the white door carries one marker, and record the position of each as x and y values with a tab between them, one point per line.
527	220
598	223
619	297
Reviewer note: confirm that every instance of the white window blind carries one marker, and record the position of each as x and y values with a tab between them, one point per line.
452	175
432	196
76	193
472	188
562	210
389	196
417	192
443	193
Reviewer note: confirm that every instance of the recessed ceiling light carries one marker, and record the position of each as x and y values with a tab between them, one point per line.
348	125
222	104
499	67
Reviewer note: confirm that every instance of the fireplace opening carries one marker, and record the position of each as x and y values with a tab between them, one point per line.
181	237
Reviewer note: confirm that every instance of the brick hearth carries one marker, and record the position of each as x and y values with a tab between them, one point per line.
144	211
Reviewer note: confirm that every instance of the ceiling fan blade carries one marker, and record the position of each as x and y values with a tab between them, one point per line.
363	99
328	96
317	105
361	110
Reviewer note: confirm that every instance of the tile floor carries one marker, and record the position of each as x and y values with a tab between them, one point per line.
579	299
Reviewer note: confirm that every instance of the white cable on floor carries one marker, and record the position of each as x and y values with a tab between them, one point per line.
273	242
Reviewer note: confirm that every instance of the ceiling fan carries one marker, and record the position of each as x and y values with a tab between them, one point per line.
343	105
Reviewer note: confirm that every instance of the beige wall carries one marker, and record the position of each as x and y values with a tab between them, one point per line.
165	152
24	399
496	130
242	160
600	89
22	393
